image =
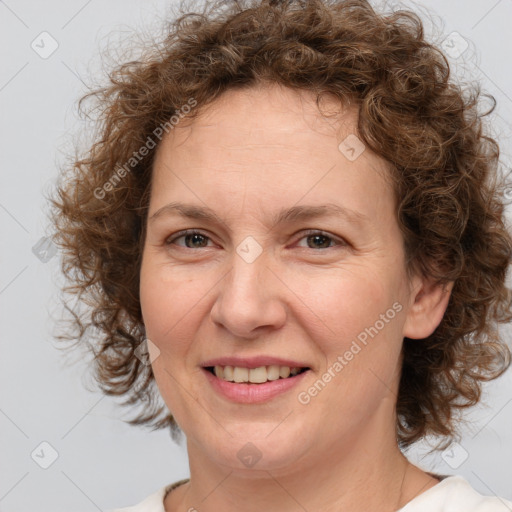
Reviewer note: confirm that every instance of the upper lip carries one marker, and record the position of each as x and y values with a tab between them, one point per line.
253	362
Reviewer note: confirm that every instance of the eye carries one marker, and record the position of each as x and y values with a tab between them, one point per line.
196	239
321	240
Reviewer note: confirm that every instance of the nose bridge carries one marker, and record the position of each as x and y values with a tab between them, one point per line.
249	260
247	282
247	298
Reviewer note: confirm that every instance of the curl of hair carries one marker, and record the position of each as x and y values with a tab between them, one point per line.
444	169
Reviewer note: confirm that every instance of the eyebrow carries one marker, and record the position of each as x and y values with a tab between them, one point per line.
285	215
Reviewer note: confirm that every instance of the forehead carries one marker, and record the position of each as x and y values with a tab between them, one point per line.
271	143
267	114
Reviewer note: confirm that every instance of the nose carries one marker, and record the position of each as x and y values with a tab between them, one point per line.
250	299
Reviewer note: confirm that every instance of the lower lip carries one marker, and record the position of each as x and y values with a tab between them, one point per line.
247	393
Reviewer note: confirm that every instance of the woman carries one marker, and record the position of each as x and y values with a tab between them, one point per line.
292	209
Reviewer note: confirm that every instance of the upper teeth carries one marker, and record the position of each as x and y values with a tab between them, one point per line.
254	375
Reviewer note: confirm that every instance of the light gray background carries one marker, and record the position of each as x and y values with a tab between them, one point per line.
102	462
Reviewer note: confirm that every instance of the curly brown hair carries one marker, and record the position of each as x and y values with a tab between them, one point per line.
430	129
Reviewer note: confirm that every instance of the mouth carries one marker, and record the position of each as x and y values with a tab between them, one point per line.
254	380
259	375
257	385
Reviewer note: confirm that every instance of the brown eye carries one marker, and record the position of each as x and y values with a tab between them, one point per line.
320	240
193	239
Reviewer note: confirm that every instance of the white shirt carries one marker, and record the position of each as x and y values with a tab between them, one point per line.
452	494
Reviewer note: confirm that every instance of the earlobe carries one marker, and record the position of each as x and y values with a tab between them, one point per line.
428	304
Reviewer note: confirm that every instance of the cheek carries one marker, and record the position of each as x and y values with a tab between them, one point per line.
349	302
175	302
361	348
164	303
168	312
153	299
360	337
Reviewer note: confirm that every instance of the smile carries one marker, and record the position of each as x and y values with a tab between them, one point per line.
258	375
244	390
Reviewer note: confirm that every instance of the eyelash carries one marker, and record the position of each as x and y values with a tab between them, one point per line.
306	234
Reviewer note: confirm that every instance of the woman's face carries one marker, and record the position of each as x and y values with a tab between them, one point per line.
272	294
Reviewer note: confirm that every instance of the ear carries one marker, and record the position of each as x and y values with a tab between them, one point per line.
427	307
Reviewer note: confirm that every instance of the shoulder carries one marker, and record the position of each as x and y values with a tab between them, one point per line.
152	503
455	494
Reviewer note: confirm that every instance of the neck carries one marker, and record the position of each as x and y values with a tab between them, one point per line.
367	472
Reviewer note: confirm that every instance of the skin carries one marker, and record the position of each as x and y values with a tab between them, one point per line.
249	154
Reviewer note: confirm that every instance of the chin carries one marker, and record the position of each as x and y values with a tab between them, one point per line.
253	451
